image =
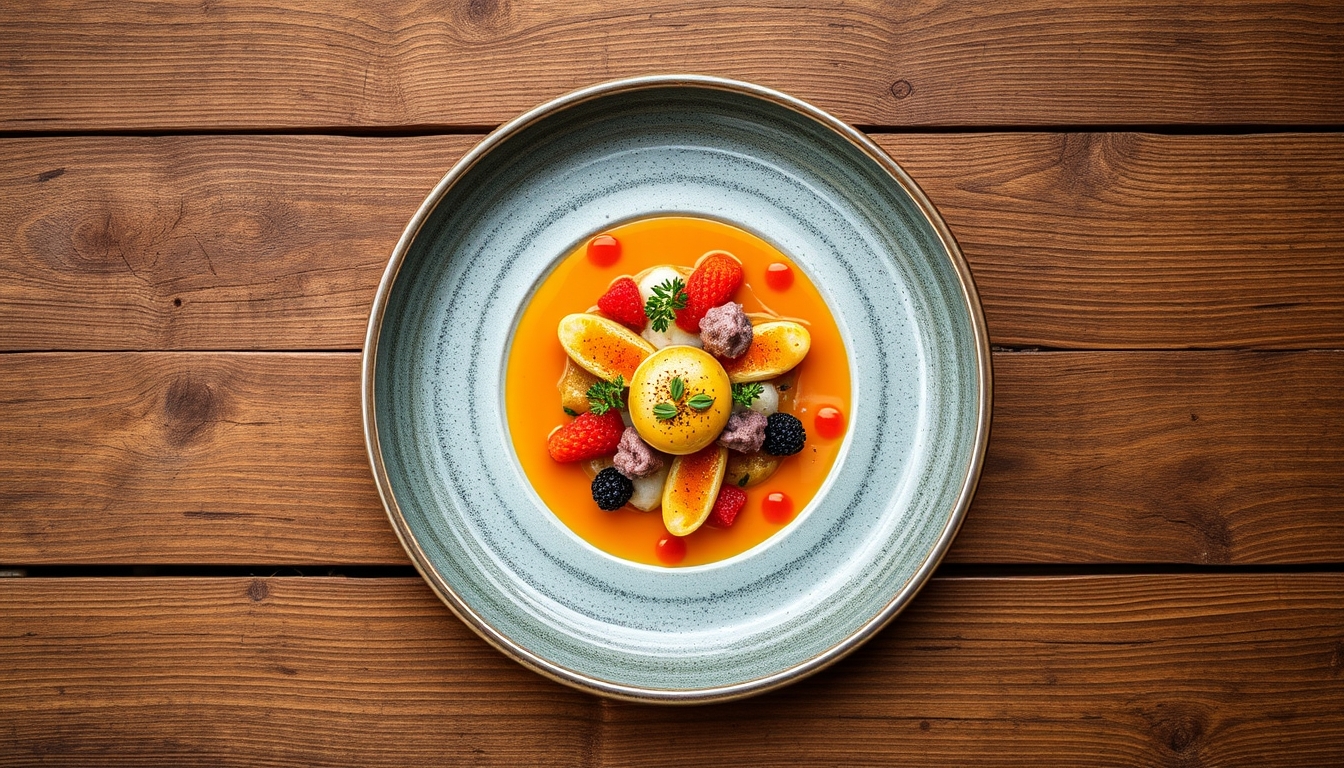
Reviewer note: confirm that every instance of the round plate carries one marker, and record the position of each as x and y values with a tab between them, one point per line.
439	334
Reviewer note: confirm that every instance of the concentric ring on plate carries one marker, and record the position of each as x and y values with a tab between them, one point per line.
492	229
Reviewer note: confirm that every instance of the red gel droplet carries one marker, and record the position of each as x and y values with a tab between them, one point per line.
779	276
778	507
670	550
604	250
830	422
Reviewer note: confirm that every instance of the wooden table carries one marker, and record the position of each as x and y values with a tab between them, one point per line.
199	199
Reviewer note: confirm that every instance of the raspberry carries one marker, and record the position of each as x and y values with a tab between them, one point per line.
587	437
730	502
611	489
784	435
711	284
623	303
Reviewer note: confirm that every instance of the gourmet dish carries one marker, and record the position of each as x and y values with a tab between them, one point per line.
676	391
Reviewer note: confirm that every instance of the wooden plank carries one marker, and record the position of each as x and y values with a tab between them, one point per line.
1181	457
304	63
1196	457
1147	670
1124	240
269	672
204	242
1076	240
187	458
1141	670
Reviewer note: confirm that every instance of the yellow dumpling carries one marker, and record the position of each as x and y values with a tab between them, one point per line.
680	399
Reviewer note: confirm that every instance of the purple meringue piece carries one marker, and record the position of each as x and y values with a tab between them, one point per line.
636	458
745	432
726	331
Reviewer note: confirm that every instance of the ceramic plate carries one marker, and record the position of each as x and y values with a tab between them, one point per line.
434	364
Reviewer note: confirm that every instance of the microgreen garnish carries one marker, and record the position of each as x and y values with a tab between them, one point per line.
665	411
570	411
743	394
604	396
676	388
742	481
662	306
700	402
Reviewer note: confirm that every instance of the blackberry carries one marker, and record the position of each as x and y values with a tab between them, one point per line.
611	489
784	435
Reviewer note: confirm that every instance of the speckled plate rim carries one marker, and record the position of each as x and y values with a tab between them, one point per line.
579	680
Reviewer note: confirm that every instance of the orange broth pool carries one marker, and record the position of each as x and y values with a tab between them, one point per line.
819	395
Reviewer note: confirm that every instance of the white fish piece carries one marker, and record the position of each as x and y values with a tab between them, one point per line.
648	494
656	276
768	401
673	335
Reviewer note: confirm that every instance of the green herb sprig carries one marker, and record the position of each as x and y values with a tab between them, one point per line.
665	411
661	308
743	394
604	396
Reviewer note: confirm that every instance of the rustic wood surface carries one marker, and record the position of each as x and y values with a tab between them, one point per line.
240	458
1137	670
197	200
316	63
1078	240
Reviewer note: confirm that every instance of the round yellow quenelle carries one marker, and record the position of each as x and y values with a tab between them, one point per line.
680	399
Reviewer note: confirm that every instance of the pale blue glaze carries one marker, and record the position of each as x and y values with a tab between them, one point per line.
917	398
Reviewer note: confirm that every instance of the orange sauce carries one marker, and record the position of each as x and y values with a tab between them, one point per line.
536	362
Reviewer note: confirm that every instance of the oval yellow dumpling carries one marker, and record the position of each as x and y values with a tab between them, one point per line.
776	347
691	489
665	393
603	347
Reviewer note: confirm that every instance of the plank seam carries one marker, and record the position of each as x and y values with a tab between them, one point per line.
417	131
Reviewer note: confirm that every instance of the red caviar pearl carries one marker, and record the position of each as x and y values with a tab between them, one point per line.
778	507
779	276
670	549
830	422
604	250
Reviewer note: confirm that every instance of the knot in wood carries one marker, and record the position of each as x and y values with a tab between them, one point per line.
190	406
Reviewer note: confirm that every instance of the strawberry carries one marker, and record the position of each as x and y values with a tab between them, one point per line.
587	437
711	284
623	304
730	502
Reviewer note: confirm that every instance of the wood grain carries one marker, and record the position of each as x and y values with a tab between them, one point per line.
1181	457
303	63
1076	240
186	458
268	672
1143	670
1197	457
1123	240
1147	670
204	242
